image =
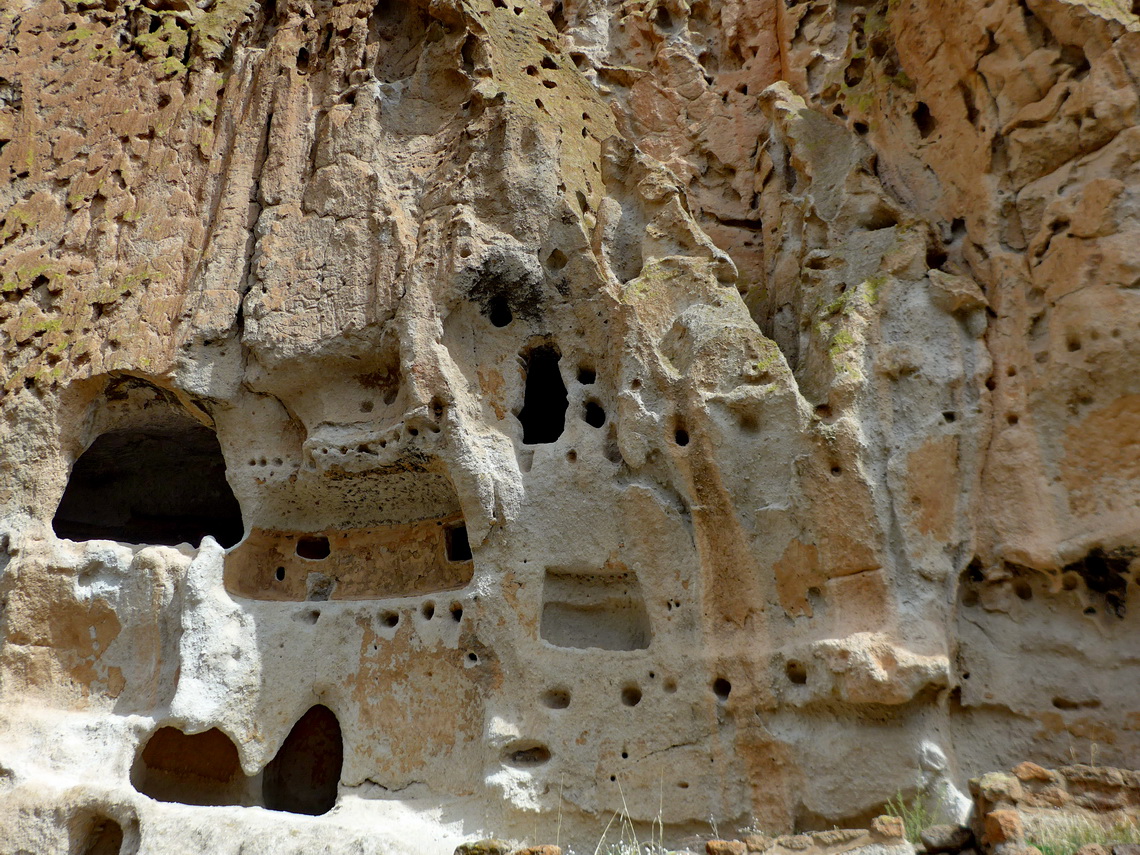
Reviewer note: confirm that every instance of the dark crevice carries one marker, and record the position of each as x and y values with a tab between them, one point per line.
543	415
458	546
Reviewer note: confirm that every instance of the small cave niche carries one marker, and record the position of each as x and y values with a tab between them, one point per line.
500	313
457	544
595	415
524	754
158	484
583	610
304	776
543	415
197	769
313	548
97	835
796	672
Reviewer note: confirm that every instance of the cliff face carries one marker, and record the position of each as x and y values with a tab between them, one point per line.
472	411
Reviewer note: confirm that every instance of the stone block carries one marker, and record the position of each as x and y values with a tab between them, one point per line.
947	838
1003	826
890	827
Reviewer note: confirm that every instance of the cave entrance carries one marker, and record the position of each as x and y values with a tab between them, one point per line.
160	484
198	769
304	775
543	415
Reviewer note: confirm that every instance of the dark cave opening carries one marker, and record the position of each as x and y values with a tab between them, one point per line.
543	415
163	484
304	775
198	769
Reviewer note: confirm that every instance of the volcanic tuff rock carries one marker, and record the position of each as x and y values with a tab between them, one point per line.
468	418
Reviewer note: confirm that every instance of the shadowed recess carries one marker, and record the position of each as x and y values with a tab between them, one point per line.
98	835
304	775
602	610
200	769
543	414
161	484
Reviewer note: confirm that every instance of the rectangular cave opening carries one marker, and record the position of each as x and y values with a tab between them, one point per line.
582	609
458	546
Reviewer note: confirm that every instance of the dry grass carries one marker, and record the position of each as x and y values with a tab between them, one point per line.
1065	838
917	814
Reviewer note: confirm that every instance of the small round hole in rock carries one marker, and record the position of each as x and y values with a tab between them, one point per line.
428	611
456	612
586	376
631	696
681	437
313	548
722	688
556	699
500	311
390	619
279	575
796	672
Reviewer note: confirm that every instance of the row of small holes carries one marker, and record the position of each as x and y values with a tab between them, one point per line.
391	619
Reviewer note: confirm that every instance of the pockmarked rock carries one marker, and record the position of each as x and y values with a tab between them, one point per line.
451	420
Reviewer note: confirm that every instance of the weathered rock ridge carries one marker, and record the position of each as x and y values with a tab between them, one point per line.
472	417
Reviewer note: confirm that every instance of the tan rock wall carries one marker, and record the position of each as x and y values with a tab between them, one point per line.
773	359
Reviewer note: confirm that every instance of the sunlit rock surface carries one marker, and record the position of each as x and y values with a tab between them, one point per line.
432	421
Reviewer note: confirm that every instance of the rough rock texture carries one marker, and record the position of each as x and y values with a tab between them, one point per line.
1032	802
471	418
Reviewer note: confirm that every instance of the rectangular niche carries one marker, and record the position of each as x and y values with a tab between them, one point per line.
581	610
358	564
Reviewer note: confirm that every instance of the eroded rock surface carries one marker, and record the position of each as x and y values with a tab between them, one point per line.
467	418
